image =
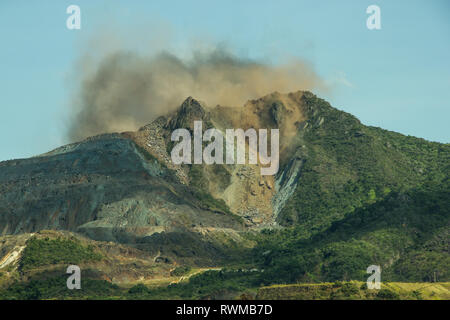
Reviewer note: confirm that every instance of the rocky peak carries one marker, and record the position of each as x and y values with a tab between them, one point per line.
190	111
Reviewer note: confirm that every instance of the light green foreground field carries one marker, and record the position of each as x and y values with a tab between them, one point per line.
356	290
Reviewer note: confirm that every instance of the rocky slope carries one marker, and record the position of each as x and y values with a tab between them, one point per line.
107	189
124	187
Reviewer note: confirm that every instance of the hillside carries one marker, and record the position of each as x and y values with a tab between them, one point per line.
346	196
115	271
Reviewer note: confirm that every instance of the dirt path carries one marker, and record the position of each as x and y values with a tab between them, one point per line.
165	281
195	271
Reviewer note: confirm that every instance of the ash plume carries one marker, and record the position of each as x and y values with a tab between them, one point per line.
126	90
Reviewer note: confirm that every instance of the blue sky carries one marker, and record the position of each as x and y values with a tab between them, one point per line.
397	78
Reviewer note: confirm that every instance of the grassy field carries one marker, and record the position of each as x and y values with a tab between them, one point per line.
356	290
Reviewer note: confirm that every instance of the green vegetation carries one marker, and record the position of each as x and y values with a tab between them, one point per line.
350	166
56	288
210	284
42	252
366	196
386	294
180	271
355	291
402	233
226	284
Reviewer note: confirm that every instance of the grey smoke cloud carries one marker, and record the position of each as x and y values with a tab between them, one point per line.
126	90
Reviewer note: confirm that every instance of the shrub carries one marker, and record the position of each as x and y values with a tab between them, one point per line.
138	289
179	271
386	294
41	252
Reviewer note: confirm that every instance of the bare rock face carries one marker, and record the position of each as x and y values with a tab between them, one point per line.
286	182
